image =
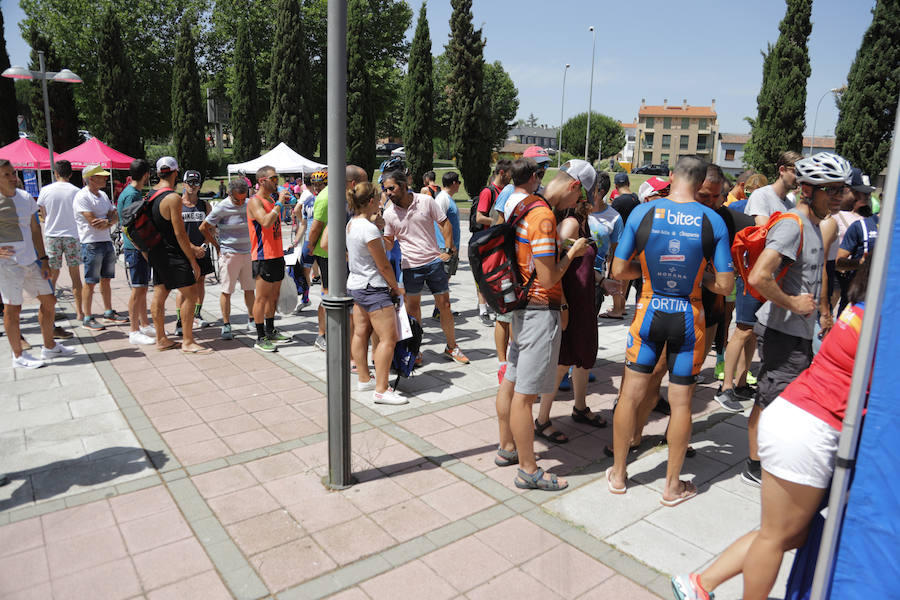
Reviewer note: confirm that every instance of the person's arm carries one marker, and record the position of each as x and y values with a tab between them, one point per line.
171	207
207	230
301	232
376	249
481	217
850	245
625	269
762	277
843	262
760	220
315	231
259	214
447	232
549	271
37	239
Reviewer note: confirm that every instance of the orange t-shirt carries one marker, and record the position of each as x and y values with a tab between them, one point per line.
265	242
536	237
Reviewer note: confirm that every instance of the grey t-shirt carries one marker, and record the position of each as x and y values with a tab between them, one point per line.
804	276
764	201
231	220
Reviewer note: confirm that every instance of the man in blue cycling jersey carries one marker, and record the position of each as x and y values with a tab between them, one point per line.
669	242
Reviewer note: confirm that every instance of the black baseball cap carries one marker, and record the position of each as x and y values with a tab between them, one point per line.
192	177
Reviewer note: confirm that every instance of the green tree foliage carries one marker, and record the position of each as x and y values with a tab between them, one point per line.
118	104
869	106
63	116
606	134
418	96
244	98
360	110
188	111
290	120
8	109
148	31
781	103
531	121
465	92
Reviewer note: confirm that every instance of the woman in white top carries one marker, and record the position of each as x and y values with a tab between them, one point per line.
374	288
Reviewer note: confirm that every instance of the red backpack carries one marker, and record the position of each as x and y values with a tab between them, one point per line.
750	242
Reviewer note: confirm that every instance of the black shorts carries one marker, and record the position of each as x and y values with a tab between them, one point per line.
206	266
171	269
782	357
322	261
270	269
713	307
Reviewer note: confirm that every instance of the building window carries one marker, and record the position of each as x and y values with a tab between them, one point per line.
683	143
664	159
667	122
703	124
648	157
701	142
667	139
685	123
729	155
649	121
648	138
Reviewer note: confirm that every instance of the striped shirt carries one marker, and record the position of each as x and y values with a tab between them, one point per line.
231	221
536	238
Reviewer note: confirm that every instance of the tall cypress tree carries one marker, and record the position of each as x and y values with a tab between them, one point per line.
869	106
418	109
118	105
63	115
244	119
469	138
188	114
9	130
290	120
360	107
781	103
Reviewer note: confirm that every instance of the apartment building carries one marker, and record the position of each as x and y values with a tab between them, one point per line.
665	132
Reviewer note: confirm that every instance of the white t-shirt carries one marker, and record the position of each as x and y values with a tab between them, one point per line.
363	272
511	203
764	201
99	206
443	201
20	208
57	200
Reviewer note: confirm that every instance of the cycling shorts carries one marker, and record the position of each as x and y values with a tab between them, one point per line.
678	324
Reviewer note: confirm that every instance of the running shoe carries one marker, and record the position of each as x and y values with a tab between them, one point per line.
178	329
751	378
148	330
265	345
719	372
745	392
251	326
389	396
486	319
61	334
321	344
226	332
687	587
278	337
436	315
365	387
752	475
92	324
56	351
727	400
316	280
456	354
202	323
111	315
26	361
303	304
139	339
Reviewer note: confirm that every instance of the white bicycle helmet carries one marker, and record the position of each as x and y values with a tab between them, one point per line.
823	167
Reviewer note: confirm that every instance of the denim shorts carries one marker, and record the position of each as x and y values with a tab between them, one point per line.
99	261
372	298
433	275
745	305
138	269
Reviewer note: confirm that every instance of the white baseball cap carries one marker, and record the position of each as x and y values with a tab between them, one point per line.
166	164
584	173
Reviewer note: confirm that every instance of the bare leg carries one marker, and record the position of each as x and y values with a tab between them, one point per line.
54	276
548	398
383	322
158	311
11	314
45	318
442	301
75	276
359	343
106	294
753	431
634	388
579	387
225	307
743	335
501	339
414	306
523	431
88	299
249	300
678	436
188	300
504	401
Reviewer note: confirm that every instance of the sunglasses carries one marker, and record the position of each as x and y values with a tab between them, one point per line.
389	188
831	190
274	178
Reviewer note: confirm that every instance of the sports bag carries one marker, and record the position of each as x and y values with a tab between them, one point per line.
750	242
475	226
137	221
406	351
492	258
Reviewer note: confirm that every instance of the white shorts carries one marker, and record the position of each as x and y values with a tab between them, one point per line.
237	268
15	278
797	446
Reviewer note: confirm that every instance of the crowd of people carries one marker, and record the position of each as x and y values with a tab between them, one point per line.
671	243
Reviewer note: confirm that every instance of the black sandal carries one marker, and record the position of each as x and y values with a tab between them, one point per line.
588	418
557	437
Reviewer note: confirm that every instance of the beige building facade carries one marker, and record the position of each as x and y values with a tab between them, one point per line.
668	131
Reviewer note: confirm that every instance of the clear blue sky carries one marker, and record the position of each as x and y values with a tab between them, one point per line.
696	49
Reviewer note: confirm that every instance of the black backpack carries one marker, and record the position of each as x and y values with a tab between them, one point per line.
475	226
492	258
137	221
406	351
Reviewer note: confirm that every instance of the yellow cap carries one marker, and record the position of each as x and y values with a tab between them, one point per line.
92	170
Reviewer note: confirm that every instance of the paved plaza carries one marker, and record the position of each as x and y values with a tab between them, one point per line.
145	474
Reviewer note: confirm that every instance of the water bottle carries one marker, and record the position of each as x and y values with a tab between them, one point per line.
509	292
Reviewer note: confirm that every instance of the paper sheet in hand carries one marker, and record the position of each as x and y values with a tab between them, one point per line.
291	259
404	331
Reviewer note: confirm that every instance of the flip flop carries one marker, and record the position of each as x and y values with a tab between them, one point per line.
609	485
172	347
688	491
606	315
201	351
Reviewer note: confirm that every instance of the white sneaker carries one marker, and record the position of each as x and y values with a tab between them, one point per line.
141	339
56	351
389	397
148	330
251	327
201	323
365	387
27	362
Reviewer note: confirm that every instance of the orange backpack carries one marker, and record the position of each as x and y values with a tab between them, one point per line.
750	242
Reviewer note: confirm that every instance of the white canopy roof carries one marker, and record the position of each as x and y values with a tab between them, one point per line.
282	158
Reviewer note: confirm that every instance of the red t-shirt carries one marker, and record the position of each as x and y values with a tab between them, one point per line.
486	198
823	388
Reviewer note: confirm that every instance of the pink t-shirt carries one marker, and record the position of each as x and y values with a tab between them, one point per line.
413	227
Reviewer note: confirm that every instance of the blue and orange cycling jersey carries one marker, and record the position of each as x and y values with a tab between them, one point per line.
674	242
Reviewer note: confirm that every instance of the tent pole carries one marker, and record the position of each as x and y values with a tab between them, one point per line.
862	369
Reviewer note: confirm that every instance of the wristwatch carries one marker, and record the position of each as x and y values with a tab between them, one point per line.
564	306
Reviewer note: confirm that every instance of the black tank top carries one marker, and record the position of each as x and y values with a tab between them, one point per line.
163	225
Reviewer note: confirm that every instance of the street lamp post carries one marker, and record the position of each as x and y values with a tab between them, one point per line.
812	137
561	106
587	135
64	76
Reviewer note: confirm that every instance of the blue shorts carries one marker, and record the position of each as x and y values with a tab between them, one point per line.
745	305
99	260
306	257
432	274
138	269
676	324
372	298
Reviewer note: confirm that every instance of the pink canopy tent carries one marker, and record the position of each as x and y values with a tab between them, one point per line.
25	154
95	152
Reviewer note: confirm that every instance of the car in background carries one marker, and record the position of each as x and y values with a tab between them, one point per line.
401	152
386	148
85	134
650	169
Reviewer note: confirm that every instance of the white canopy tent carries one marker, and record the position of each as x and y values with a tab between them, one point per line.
282	158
